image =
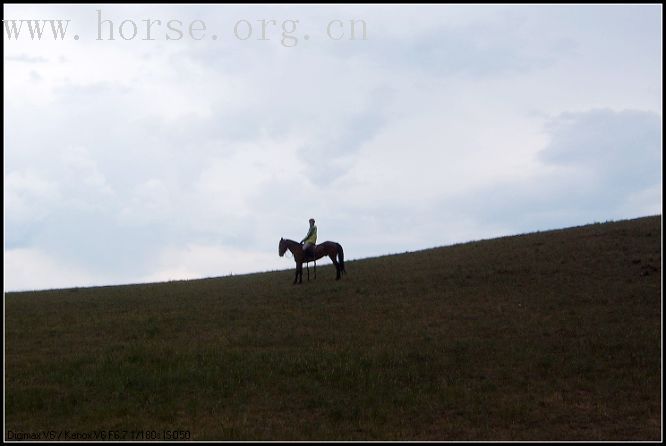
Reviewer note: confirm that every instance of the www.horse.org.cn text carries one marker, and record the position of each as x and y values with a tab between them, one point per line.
287	32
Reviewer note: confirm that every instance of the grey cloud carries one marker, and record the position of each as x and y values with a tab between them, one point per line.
595	162
321	98
95	240
331	153
622	148
453	53
75	93
475	51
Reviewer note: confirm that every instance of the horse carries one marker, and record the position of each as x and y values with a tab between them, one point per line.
330	249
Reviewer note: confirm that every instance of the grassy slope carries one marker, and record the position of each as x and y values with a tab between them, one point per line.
547	336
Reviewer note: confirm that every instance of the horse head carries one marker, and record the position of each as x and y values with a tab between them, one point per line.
282	247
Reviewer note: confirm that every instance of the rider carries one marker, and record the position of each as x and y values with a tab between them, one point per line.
310	239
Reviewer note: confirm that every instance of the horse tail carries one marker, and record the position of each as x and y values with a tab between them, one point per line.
341	258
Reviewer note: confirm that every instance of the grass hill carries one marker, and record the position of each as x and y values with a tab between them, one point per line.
547	336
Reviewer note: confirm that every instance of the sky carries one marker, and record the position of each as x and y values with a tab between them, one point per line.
141	147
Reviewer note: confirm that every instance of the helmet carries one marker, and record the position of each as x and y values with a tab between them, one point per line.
312	220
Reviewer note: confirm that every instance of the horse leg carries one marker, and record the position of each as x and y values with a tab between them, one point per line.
337	267
307	266
299	273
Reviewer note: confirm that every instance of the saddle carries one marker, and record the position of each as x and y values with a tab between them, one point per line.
309	253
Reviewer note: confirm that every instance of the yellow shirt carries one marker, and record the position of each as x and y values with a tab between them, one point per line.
312	235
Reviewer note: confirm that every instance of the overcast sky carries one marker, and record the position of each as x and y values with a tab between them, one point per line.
134	160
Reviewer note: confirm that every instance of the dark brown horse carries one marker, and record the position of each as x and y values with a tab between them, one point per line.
331	249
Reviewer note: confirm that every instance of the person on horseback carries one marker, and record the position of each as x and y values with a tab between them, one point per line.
310	240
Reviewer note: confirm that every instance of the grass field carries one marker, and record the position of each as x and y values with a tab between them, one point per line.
547	336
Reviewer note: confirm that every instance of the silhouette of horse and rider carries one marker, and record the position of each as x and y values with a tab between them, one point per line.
308	251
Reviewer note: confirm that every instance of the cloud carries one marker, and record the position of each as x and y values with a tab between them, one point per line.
71	179
498	42
31	269
597	165
28	196
329	153
151	203
129	160
620	149
199	261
